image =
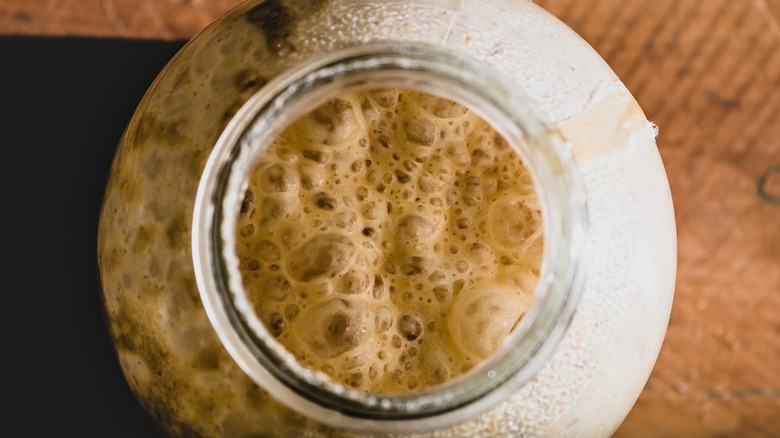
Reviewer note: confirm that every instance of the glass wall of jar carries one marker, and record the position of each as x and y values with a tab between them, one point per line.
172	355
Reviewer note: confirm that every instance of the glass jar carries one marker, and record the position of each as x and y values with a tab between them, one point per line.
202	364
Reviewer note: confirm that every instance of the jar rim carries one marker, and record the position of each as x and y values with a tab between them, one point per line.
423	68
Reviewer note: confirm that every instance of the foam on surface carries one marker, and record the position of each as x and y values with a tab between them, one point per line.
390	239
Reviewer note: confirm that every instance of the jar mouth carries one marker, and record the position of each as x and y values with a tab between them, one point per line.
430	70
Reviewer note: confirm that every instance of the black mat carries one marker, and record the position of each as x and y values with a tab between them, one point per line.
64	105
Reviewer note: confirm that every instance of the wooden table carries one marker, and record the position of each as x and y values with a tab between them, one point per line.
708	73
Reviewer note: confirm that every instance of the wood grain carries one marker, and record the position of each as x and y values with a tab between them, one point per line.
143	19
708	73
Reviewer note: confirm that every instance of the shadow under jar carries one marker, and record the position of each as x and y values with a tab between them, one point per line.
198	346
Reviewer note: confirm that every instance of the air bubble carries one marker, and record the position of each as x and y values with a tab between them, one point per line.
333	123
369	112
274	323
316	156
511	222
490	186
248	201
379	290
374	176
481	253
479	156
271	212
372	210
457	286
356	380
320	289
385	97
329	370
324	201
349	200
277	288
442	108
436	276
383	319
278	178
384	141
428	184
482	317
312	176
414	265
291	311
414	228
247	230
420	130
441	293
402	177
410	327
291	234
334	327
459	153
324	255
355	282
434	362
346	220
452	196
285	153
472	184
499	142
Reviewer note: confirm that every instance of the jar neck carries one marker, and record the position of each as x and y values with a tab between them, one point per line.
299	91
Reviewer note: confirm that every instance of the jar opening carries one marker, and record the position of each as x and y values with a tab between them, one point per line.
229	247
389	238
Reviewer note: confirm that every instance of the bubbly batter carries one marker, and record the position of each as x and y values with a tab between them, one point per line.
390	239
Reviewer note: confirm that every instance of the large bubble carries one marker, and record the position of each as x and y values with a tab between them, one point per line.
481	318
511	221
334	327
324	255
415	228
279	178
336	123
